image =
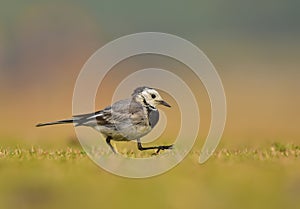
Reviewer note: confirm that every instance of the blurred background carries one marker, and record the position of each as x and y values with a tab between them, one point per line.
254	45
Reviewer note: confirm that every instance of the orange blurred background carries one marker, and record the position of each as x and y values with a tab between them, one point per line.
43	47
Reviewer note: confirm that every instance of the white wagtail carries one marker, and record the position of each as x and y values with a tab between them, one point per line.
125	120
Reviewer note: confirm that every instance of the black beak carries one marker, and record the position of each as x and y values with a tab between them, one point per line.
162	102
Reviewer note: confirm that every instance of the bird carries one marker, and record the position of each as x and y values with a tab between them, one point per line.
125	120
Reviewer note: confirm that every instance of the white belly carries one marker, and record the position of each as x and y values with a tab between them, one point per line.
127	134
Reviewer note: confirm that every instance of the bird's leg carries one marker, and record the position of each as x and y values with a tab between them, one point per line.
163	147
108	139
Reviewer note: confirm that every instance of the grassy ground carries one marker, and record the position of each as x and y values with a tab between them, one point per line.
35	177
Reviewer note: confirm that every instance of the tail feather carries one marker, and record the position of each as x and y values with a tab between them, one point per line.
55	122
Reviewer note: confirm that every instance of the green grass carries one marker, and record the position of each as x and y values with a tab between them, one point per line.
275	151
35	177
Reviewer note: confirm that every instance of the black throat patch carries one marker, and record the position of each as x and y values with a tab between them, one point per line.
152	113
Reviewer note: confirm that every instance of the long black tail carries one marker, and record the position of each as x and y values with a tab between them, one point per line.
55	122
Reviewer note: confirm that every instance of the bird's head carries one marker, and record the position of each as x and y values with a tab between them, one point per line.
148	96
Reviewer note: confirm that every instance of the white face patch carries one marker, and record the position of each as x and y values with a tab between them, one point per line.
152	97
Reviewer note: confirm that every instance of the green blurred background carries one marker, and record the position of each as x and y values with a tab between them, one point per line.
255	47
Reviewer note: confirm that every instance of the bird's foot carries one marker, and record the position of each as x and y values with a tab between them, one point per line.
164	147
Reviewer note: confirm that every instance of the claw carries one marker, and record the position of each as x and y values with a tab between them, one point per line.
164	147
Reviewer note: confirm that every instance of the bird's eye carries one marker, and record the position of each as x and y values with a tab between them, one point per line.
153	96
